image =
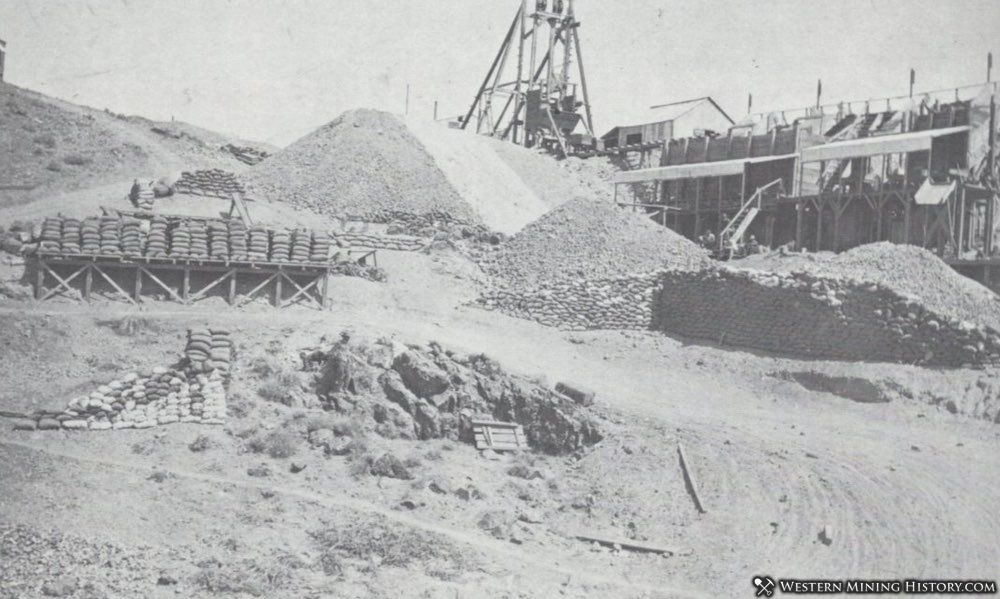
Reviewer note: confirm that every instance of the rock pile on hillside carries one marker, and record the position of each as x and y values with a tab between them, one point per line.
589	239
907	269
364	163
416	392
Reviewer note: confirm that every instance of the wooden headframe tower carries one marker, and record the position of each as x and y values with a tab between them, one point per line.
529	95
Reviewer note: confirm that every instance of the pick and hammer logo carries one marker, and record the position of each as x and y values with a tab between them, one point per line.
764	585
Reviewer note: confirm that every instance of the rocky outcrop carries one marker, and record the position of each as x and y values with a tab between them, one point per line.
430	393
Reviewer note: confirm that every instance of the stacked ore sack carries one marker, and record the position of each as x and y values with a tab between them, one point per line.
199	240
180	240
156	243
301	245
214	182
90	233
51	235
131	237
71	236
208	350
259	244
145	199
281	245
110	240
144	400
218	240
320	251
237	235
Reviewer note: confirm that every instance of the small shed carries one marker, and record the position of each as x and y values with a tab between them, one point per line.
669	121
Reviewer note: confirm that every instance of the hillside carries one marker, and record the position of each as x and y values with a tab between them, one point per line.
50	146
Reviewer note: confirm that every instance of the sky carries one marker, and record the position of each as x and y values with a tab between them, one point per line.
273	70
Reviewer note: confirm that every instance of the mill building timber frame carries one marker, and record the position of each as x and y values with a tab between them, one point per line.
855	172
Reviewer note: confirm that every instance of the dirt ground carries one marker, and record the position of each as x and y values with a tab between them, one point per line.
907	488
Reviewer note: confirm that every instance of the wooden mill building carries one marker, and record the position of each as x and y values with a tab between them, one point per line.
918	170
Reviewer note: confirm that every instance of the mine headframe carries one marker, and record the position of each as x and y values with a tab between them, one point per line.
529	95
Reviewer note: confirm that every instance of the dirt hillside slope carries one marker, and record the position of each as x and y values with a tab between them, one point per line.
48	145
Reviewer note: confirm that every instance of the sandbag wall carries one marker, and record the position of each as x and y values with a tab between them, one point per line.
578	305
817	317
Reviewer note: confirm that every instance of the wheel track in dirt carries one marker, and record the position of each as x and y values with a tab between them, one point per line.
475	541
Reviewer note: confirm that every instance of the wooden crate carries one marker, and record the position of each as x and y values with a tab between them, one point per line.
499	436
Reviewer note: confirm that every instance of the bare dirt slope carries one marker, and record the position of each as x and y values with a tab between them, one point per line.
51	146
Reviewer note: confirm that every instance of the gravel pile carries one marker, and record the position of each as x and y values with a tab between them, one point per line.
906	269
361	164
589	239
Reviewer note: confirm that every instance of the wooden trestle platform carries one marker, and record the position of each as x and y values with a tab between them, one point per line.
127	275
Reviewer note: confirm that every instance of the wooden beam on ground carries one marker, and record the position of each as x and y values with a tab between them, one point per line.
689	479
630	545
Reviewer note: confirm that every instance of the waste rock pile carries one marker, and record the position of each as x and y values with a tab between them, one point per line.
362	162
427	392
191	391
907	269
806	315
404	243
589	239
212	182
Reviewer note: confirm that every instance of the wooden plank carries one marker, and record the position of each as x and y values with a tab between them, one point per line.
689	479
630	545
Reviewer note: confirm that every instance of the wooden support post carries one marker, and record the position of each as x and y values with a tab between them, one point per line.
799	210
835	236
88	282
819	224
232	288
906	218
326	289
697	207
186	285
277	290
40	279
138	285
